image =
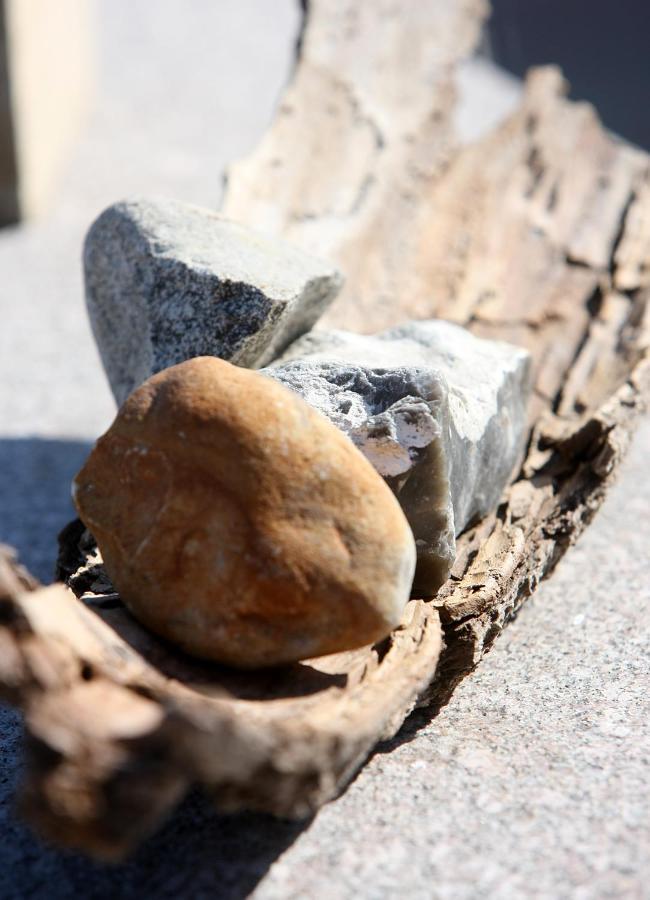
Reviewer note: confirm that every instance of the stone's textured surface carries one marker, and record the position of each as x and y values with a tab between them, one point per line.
440	414
46	69
167	281
239	523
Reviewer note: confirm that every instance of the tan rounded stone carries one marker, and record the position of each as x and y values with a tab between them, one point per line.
239	523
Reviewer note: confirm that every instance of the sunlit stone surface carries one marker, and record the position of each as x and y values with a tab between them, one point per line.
440	413
168	281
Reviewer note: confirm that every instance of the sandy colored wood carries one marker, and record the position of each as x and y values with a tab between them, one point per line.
537	234
120	725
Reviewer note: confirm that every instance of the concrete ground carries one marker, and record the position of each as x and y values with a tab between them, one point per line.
534	782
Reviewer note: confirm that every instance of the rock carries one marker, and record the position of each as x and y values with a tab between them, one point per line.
239	523
439	413
166	282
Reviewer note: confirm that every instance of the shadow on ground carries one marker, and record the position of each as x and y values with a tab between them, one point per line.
35	476
198	853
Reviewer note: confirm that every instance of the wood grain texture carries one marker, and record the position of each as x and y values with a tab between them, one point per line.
120	725
537	234
361	133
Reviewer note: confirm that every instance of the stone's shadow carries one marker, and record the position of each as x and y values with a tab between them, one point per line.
414	723
197	853
296	680
35	476
231	852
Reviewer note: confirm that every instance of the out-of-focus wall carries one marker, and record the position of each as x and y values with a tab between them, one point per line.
45	74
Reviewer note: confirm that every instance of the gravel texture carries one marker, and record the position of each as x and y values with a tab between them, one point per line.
534	782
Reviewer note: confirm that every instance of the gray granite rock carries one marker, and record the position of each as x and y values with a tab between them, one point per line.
167	281
440	413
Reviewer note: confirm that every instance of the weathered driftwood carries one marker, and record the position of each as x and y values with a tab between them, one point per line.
540	234
120	725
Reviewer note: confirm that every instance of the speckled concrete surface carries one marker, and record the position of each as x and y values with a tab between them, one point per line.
535	781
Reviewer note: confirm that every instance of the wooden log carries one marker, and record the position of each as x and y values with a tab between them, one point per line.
537	234
120	725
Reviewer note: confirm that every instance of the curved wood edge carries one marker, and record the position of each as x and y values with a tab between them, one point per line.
114	742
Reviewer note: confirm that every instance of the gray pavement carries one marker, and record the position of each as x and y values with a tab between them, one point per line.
534	782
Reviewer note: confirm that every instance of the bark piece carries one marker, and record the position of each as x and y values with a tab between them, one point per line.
515	237
167	281
119	725
440	414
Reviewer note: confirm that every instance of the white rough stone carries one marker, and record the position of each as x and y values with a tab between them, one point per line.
167	281
440	413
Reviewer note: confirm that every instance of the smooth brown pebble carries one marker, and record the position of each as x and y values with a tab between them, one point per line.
240	524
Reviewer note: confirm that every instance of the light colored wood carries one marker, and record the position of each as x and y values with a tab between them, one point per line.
361	134
121	725
535	234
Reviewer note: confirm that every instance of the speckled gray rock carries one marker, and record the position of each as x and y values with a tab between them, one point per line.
440	413
167	281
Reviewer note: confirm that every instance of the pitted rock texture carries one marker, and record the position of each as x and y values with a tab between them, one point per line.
239	523
439	413
167	281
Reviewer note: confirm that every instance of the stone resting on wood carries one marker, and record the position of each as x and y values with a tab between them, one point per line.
538	234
